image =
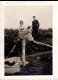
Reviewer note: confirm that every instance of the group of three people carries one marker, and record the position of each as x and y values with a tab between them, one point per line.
31	32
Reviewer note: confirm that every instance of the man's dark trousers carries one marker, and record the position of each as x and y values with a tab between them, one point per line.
35	26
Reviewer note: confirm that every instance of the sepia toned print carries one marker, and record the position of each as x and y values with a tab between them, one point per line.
28	40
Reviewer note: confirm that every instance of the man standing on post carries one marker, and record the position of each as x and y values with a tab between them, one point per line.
35	26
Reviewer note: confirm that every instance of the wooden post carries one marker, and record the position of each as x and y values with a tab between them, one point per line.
23	51
41	43
23	54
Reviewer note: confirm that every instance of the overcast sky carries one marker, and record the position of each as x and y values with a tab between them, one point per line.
15	13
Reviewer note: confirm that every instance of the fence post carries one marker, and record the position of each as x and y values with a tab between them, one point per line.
23	54
23	51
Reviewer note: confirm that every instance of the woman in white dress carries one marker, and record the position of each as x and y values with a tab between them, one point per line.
22	30
22	37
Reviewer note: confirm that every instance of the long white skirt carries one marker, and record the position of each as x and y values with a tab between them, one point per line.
22	35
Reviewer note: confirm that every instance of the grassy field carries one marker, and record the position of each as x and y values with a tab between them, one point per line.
41	63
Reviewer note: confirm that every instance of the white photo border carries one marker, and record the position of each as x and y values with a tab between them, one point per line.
55	40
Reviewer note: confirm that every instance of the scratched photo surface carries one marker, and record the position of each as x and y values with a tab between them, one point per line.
28	40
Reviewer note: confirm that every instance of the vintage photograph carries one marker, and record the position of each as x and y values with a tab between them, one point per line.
28	36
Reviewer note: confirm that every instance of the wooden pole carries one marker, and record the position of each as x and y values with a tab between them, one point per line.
23	54
23	51
42	43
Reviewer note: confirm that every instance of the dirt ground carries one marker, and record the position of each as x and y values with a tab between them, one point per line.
38	65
